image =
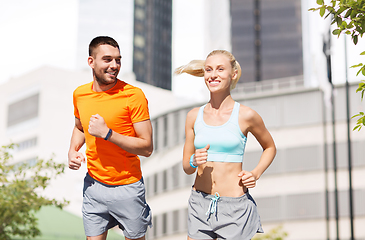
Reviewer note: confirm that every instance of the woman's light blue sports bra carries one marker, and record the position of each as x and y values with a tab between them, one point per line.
227	142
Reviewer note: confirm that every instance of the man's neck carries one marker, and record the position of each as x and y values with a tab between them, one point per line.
97	87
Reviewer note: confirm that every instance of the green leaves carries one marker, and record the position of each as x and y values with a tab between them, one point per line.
19	194
361	116
349	16
360	122
274	234
361	88
322	11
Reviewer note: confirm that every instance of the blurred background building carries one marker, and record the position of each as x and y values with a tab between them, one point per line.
152	42
267	38
279	45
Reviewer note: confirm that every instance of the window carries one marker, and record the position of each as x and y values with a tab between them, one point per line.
176	169
177	127
155	183
164	223
23	110
175	221
139	41
165	132
164	180
26	144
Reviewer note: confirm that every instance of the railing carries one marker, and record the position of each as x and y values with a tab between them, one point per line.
274	85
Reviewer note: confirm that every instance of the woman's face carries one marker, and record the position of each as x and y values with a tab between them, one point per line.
218	73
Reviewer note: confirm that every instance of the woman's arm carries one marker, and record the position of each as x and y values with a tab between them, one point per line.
256	126
189	148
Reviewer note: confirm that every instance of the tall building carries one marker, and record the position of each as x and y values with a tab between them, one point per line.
152	42
298	187
267	38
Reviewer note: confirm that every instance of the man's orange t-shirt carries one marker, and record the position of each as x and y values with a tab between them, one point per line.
120	106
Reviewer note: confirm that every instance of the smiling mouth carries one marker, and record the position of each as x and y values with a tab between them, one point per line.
112	74
214	82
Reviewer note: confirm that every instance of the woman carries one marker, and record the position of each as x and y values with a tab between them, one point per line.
220	206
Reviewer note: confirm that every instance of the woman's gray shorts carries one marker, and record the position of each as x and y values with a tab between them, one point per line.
232	218
105	206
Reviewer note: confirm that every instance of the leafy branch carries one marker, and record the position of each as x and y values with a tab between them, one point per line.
349	16
19	194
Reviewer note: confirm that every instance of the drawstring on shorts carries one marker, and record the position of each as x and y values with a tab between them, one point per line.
213	205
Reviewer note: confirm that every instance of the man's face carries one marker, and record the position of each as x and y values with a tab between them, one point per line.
105	62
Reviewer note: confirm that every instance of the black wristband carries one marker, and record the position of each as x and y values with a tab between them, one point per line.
108	135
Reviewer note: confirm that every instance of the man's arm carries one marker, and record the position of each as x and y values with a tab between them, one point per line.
77	141
141	144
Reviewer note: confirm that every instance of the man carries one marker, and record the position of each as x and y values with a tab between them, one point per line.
112	118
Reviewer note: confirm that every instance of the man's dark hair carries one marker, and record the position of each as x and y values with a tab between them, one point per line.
101	40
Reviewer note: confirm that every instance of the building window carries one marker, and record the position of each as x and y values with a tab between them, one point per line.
23	110
155	183
164	181
175	221
155	227
176	169
140	42
164	223
155	134
165	131
31	162
26	144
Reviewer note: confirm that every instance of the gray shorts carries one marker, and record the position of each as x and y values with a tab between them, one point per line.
105	206
227	218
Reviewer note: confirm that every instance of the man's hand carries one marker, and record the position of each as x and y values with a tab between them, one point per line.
75	159
97	126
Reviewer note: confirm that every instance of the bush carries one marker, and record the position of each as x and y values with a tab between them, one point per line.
19	194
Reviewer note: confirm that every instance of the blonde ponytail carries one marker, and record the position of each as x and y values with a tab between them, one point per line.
237	67
195	68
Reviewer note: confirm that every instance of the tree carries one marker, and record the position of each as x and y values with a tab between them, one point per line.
349	16
19	194
274	234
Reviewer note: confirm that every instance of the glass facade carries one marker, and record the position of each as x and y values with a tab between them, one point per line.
267	38
152	42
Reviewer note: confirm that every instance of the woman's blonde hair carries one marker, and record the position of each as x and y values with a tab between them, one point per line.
197	67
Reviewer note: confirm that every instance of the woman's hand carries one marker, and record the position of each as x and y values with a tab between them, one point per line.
201	156
248	179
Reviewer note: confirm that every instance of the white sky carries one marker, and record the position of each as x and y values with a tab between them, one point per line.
44	32
36	33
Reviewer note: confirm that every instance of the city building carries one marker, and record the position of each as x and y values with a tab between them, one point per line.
36	112
267	38
152	50
292	192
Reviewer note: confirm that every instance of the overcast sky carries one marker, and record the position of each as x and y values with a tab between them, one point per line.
35	33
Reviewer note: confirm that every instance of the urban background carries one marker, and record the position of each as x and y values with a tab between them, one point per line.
315	187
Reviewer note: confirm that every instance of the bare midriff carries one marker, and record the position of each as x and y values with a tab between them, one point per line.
220	177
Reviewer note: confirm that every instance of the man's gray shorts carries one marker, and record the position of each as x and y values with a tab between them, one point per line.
234	218
105	206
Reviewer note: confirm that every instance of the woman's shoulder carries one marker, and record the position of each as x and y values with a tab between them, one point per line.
193	113
247	113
